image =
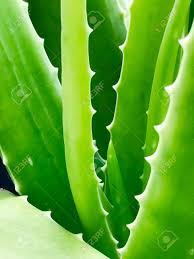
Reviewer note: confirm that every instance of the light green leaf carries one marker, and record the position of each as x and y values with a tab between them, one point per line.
77	116
29	233
107	21
147	23
165	222
46	20
164	75
31	135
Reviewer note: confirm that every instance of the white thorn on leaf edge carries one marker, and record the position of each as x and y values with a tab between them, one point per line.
91	72
93	111
90	30
122	47
131	226
104	167
140	197
95	149
48	214
169	89
184	41
120	250
41	40
158	128
109	127
79	236
105	212
149	159
24	198
116	86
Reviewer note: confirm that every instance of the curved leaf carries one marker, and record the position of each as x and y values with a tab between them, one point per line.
164	75
107	21
46	20
29	233
148	21
165	221
31	135
87	193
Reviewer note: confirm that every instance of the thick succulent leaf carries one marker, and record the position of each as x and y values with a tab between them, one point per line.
27	232
191	17
46	20
164	75
79	150
31	135
129	125
107	21
164	225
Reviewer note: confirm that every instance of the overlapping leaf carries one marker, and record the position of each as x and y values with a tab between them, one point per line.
31	135
29	233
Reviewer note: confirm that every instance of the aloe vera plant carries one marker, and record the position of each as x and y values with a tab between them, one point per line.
136	201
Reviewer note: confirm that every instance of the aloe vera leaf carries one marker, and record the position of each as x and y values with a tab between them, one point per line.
166	220
106	18
77	115
191	16
27	232
107	21
119	216
164	75
31	135
46	20
148	21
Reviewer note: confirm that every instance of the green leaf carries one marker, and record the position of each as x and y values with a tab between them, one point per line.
46	20
164	75
31	135
107	21
29	233
148	21
87	193
191	17
165	222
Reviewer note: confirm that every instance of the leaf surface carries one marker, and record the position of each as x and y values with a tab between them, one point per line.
77	115
165	74
165	221
31	135
27	232
147	24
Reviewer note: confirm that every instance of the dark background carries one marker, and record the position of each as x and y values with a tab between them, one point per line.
5	181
